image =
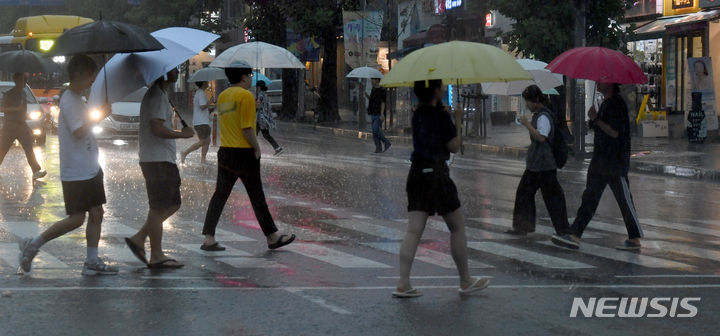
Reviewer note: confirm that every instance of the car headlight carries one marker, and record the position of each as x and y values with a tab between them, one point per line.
35	115
37	131
54	110
95	115
97	130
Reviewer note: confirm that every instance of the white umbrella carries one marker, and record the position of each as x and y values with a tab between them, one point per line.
126	73
365	72
207	74
258	55
542	77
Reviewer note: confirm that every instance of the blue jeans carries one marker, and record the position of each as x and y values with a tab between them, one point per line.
378	135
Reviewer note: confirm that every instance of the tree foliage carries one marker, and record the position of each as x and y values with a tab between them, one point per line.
545	28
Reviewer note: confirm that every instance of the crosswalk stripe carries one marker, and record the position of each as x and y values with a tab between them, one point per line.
594	224
427	255
332	256
23	229
471	232
627	257
249	262
526	255
224	235
368	228
682	249
680	227
505	222
305	234
9	252
118	253
116	229
229	251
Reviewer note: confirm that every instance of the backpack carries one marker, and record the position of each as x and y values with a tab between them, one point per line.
558	139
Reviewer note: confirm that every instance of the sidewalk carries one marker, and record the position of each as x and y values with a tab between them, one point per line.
663	156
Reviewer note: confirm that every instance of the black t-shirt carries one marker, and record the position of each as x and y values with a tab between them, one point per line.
13	98
432	130
610	153
377	97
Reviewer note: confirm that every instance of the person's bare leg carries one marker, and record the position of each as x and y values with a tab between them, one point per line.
189	150
205	147
416	226
63	226
93	228
458	246
154	223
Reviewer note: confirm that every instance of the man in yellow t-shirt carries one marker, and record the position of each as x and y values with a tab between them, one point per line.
239	157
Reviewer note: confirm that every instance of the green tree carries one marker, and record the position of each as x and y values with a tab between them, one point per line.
544	28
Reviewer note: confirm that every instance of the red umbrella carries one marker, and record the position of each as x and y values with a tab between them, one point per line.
598	64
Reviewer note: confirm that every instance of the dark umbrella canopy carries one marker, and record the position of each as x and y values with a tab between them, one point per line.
25	61
105	37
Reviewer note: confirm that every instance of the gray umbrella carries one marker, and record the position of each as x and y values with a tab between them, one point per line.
105	37
25	61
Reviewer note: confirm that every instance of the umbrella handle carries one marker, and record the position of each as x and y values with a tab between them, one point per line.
182	121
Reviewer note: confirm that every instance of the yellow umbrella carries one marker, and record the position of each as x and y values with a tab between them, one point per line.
458	63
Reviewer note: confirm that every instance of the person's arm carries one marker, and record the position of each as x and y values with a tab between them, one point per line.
252	139
248	120
603	126
455	144
158	129
87	125
207	104
534	133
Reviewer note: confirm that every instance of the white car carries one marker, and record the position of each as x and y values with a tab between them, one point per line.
124	121
35	113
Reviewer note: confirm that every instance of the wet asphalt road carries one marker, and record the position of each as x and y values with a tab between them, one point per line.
348	208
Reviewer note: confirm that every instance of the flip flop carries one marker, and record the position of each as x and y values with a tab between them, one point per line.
212	248
164	264
410	293
138	251
479	284
280	242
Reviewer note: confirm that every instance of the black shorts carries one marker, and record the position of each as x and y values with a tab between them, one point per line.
203	131
430	189
162	180
81	196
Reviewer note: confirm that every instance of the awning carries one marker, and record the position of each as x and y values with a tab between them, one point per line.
656	29
398	54
693	21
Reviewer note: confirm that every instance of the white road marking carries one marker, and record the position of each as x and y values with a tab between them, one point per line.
683	249
680	227
332	256
443	260
190	278
526	255
542	229
248	262
670	276
10	252
431	277
320	301
229	251
368	228
626	256
471	232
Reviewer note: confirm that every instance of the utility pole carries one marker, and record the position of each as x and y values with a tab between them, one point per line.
575	99
363	81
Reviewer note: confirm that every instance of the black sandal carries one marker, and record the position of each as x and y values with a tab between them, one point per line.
212	248
280	243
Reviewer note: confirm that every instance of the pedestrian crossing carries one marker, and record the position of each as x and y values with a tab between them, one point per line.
329	244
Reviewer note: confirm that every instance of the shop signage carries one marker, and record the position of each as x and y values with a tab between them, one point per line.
676	4
445	5
644	7
701	88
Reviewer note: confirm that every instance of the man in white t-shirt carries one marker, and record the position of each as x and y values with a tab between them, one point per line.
80	173
201	122
156	143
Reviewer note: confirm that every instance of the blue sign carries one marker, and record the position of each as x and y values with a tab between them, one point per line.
450	4
32	2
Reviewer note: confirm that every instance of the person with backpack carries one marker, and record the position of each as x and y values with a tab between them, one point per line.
609	166
541	173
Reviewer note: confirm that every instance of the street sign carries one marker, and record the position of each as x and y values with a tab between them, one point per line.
32	2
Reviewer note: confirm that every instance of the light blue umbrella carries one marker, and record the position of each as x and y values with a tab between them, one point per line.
258	76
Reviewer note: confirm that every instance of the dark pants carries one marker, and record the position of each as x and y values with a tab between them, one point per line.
234	163
268	137
378	135
597	179
23	134
553	194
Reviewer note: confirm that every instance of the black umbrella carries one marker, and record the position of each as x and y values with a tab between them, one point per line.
25	61
105	37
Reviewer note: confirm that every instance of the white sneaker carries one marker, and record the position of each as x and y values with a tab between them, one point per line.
99	268
27	254
39	174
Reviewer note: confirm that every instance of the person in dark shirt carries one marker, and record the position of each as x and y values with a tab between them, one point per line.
609	166
430	189
14	105
375	106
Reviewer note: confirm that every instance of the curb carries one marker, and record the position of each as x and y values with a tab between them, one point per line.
637	166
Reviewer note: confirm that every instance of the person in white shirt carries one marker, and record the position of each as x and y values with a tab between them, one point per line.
201	122
156	144
80	173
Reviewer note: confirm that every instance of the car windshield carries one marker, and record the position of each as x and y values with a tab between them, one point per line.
135	97
29	96
275	85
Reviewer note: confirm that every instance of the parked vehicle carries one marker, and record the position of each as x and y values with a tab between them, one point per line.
124	121
36	116
275	93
